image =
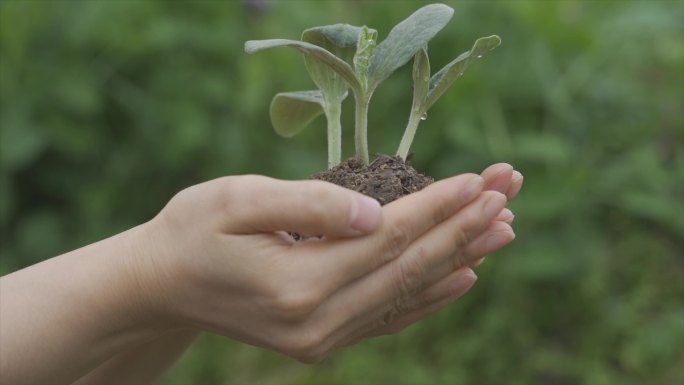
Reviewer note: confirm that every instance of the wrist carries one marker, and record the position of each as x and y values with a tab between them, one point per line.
92	300
148	272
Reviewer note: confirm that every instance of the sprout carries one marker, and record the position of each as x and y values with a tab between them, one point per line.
340	57
427	90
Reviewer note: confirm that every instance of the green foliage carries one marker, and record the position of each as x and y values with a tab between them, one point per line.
109	108
372	65
291	112
405	39
445	77
427	90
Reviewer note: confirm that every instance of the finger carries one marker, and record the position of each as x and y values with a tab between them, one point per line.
255	204
433	299
404	220
383	291
505	215
436	256
500	235
497	236
409	319
498	177
434	252
516	185
455	284
478	262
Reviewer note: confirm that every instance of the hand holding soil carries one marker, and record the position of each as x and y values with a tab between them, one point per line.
218	258
226	264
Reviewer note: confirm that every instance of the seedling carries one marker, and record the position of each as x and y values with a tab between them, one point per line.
340	57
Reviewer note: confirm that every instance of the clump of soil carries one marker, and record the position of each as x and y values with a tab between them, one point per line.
386	179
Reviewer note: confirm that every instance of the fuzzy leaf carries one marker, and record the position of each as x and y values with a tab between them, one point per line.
338	39
364	51
291	112
421	79
443	79
324	56
337	35
405	39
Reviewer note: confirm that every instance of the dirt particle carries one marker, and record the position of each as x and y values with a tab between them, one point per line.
386	179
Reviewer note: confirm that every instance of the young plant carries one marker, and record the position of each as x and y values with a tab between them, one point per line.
292	111
340	57
427	90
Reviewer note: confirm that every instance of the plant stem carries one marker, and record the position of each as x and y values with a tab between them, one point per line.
409	133
333	111
361	128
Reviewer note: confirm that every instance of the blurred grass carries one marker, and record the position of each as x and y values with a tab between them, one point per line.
107	108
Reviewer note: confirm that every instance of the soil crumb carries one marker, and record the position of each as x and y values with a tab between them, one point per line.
386	179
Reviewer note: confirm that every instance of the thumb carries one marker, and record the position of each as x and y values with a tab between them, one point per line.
261	204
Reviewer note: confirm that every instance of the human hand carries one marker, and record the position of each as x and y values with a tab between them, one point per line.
221	260
499	177
503	178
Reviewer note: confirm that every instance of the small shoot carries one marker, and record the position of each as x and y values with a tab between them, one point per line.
427	90
343	57
292	111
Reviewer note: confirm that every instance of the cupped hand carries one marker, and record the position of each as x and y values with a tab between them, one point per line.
221	259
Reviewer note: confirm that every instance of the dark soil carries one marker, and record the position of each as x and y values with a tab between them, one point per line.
386	179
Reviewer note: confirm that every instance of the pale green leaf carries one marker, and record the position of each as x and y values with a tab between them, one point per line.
338	39
421	85
443	79
325	56
405	39
291	112
335	35
421	78
364	50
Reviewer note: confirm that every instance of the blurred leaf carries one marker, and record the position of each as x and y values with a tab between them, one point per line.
545	261
6	199
542	148
291	112
666	211
21	142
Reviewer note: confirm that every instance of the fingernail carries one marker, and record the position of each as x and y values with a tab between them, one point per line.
365	213
507	215
478	262
463	282
494	205
502	179
472	188
499	240
517	176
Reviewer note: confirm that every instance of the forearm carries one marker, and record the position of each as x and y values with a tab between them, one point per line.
62	317
143	364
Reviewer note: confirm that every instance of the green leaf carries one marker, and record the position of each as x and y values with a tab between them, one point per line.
421	84
338	39
324	56
291	112
335	35
405	39
421	79
443	79
364	50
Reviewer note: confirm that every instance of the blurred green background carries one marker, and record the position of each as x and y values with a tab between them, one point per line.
110	107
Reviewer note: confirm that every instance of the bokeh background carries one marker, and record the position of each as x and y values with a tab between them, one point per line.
108	108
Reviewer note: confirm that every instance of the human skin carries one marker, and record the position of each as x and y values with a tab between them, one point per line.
216	259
